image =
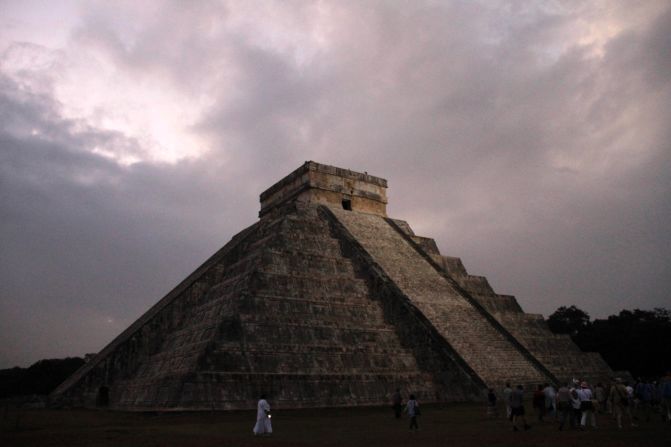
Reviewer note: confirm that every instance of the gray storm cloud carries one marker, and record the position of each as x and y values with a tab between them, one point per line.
531	142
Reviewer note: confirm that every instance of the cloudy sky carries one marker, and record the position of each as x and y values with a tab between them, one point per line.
531	139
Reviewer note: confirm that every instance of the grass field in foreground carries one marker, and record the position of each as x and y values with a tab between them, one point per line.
444	425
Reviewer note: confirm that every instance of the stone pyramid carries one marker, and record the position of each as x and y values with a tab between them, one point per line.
325	301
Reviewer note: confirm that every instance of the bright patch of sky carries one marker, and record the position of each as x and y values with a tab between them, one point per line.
40	54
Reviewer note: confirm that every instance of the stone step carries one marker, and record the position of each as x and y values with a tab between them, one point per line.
375	321
288	334
300	286
189	335
307	243
483	347
556	351
171	361
292	390
289	262
303	226
309	363
350	301
254	245
242	266
292	310
384	346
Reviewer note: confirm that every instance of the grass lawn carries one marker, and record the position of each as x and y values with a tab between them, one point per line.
441	425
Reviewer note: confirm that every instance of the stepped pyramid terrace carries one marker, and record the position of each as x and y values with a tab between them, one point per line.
325	301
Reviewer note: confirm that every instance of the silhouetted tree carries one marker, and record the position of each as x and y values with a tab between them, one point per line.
568	320
41	377
638	341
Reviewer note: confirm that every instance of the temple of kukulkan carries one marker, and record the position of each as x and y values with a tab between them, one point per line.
325	301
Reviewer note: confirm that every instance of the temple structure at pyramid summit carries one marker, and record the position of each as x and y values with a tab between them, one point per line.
325	301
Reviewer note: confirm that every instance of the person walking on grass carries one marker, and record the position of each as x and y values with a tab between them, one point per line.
550	400
517	408
263	425
586	405
412	408
620	402
397	403
575	406
645	395
601	396
491	404
665	395
539	403
563	405
507	391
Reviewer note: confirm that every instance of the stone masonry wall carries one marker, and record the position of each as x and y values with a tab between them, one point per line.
284	310
482	347
318	183
145	366
557	352
309	332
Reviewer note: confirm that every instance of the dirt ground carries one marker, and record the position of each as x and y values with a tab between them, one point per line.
446	425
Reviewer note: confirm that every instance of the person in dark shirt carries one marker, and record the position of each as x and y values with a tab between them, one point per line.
491	403
397	403
412	408
517	408
564	408
539	402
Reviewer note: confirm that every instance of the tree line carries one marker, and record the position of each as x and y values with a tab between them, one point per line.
41	377
638	341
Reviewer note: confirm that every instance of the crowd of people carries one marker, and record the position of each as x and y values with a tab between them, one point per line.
571	405
577	403
574	404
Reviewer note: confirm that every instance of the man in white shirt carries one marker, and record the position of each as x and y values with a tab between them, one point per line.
575	404
550	402
586	405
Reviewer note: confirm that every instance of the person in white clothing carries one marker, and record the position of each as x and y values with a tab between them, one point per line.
575	405
586	405
550	400
412	408
263	425
507	392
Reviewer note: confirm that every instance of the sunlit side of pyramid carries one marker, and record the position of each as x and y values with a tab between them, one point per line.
325	301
